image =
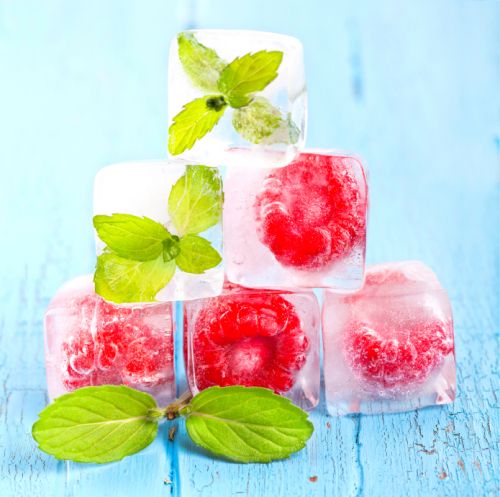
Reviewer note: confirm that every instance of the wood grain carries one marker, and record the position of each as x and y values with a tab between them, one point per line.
410	86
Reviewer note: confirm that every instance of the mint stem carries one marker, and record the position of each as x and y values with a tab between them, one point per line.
172	410
216	103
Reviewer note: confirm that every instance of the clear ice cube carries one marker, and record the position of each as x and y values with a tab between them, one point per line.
89	341
390	346
302	225
251	337
142	188
267	132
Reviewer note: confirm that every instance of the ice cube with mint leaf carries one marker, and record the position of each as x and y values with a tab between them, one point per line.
236	98
158	231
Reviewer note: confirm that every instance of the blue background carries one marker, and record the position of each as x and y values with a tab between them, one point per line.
412	86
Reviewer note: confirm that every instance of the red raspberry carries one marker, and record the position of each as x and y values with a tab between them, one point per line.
312	212
148	360
78	360
73	380
250	340
390	359
113	345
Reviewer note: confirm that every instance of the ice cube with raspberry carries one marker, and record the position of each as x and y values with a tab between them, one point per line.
89	341
301	225
265	338
390	346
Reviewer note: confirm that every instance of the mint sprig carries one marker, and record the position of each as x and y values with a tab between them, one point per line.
247	75
202	64
133	237
97	424
107	423
238	84
261	122
196	255
195	201
122	281
194	121
247	424
141	255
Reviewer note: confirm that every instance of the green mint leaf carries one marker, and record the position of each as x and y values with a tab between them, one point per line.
194	121
96	424
171	248
202	64
248	74
196	255
246	424
131	237
262	123
122	280
195	201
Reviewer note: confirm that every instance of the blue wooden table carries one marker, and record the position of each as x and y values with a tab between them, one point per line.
413	87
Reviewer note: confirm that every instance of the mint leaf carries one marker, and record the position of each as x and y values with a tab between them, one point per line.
246	424
196	255
194	121
202	64
248	74
262	123
195	201
97	424
131	237
122	280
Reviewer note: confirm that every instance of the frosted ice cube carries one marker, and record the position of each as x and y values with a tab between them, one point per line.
301	225
267	136
89	341
254	337
142	188
390	346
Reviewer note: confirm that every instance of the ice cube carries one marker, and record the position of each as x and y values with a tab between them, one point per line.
390	346
251	337
142	188
262	128
89	341
302	225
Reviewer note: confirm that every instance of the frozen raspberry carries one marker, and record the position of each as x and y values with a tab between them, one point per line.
79	350
148	360
250	340
73	380
401	359
78	360
311	212
113	345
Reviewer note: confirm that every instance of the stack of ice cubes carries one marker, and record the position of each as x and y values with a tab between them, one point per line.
247	228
